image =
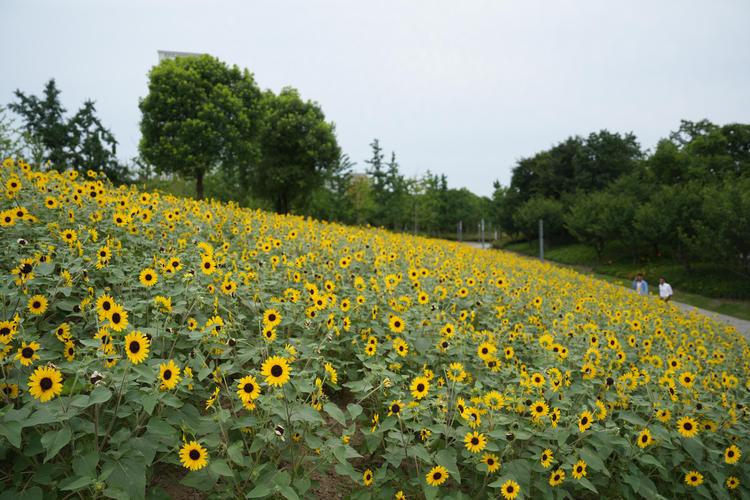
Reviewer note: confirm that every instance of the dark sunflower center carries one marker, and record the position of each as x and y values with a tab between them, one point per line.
248	388
510	489
688	426
106	305
584	420
27	352
4	330
134	346
272	317
26	268
36	304
167	374
45	384
195	454
277	371
148	277
395	408
539	409
437	475
420	387
474	441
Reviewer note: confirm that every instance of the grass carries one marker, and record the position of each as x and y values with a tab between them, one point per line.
702	288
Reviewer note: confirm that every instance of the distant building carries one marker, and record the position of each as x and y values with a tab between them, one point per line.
171	54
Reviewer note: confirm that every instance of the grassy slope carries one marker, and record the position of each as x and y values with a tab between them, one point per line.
583	259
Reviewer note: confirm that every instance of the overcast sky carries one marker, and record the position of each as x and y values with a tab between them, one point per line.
459	87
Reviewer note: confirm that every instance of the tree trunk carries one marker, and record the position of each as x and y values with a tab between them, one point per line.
199	185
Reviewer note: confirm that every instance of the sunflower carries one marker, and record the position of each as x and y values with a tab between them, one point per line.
208	265
437	475
104	305
27	353
557	477
400	346
9	391
367	477
396	324
579	469
732	482
148	277
510	489
693	478
547	458
475	441
248	388
193	456
37	304
70	351
419	387
45	383
136	347
276	370
169	374
486	351
395	407
645	439
584	421
539	409
687	427
7	330
271	318
732	454
118	318
491	461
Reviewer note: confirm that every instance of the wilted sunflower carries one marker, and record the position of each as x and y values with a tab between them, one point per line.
248	388
193	456
37	304
276	370
169	374
437	476
136	347
419	387
45	383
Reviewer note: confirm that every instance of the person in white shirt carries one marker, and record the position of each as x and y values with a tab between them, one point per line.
665	290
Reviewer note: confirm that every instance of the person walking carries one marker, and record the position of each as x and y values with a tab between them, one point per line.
665	290
640	285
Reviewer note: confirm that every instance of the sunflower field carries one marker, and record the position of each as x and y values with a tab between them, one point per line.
150	342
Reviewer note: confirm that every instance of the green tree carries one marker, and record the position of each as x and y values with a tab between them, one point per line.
81	142
599	218
549	210
200	114
299	151
10	136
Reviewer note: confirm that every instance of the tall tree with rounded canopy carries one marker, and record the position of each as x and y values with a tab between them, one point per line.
298	150
199	114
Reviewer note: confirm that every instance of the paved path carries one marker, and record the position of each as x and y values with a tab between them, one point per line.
742	326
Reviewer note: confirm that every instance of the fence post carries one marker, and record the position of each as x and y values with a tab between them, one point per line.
541	239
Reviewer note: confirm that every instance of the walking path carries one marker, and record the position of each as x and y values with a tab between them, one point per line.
742	326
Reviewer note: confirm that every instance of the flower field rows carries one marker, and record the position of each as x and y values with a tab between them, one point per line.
250	354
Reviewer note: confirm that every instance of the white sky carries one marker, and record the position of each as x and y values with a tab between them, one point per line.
460	87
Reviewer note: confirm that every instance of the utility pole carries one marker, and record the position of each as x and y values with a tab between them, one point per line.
459	231
541	239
